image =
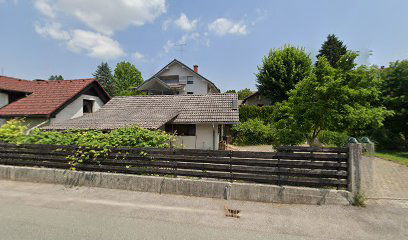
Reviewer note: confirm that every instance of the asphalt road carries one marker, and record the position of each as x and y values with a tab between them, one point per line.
45	211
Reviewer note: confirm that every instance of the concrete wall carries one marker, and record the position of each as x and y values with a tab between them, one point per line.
200	86
75	109
179	186
203	139
3	99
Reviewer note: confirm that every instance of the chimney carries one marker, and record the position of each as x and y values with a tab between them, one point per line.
196	68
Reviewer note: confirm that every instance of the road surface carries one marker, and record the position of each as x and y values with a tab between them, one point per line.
45	211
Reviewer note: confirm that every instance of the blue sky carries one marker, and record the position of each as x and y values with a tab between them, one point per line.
227	39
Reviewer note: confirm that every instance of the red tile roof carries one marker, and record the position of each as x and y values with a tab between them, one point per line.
44	97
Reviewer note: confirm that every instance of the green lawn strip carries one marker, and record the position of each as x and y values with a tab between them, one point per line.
398	157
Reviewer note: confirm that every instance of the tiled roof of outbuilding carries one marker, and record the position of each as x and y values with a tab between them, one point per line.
156	110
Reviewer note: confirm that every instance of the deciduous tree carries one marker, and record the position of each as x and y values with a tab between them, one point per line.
330	99
281	70
126	77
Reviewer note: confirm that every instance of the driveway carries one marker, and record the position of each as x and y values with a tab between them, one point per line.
45	211
390	183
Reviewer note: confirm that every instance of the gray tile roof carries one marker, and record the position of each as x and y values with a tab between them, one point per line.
154	111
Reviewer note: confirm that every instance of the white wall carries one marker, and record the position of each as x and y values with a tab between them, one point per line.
200	86
3	99
202	140
72	110
75	109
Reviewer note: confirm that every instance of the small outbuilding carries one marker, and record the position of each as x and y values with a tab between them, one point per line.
198	121
256	99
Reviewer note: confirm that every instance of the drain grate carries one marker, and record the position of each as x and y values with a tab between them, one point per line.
232	212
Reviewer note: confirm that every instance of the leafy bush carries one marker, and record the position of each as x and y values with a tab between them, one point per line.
253	132
333	138
13	132
247	112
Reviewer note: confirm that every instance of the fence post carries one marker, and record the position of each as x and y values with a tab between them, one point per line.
354	168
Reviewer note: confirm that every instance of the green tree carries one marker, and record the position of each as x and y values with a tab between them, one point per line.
127	76
231	91
395	97
332	49
330	99
56	77
244	93
103	75
281	70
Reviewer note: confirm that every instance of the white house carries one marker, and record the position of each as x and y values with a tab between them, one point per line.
176	78
197	120
42	102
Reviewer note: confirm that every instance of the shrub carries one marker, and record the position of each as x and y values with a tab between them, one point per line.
252	132
337	139
13	132
247	112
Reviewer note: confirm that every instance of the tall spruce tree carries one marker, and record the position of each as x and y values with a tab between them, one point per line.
333	49
103	75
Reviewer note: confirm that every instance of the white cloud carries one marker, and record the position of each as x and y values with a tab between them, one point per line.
94	44
223	26
138	56
185	24
45	8
52	30
168	46
91	43
106	16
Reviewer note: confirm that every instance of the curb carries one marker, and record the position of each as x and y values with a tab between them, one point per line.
179	186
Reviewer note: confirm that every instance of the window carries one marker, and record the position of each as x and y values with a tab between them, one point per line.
181	129
190	93
190	80
88	106
15	96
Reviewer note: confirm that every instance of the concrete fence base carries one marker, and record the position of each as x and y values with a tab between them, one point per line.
178	186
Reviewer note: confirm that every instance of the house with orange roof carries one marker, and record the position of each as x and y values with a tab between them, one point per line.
42	102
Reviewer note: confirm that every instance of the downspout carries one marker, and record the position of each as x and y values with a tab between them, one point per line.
213	136
37	126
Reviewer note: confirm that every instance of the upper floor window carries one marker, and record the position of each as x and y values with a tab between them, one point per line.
15	96
190	80
88	106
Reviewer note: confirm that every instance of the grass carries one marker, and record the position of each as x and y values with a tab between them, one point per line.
395	156
359	200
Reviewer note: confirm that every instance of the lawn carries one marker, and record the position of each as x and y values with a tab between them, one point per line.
399	157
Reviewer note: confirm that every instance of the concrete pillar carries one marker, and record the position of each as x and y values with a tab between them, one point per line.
360	179
354	167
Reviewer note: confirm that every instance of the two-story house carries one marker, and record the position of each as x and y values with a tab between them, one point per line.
176	78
